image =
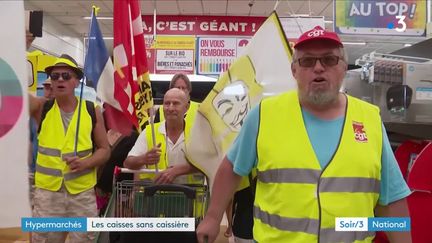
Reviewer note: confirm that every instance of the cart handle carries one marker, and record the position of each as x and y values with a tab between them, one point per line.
119	170
188	191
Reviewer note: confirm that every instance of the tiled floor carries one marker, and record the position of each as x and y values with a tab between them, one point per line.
9	235
14	235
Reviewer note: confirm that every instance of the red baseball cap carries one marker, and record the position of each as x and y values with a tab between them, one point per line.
318	33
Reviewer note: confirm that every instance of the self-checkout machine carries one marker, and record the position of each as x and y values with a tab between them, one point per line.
401	86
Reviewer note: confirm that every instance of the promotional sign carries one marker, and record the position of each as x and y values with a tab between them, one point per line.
174	42
396	17
173	54
173	61
202	25
215	55
179	33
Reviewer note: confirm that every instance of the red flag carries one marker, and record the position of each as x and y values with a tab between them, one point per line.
131	77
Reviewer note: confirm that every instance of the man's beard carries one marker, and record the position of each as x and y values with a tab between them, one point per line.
319	98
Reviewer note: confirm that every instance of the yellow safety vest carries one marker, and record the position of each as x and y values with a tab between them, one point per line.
296	200
55	145
163	163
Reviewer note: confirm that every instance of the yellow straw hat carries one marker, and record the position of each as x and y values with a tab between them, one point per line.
66	61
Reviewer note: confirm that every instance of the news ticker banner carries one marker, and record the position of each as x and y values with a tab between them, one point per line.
107	224
186	224
396	17
373	224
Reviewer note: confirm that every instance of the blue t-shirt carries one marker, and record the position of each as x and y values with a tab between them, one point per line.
324	136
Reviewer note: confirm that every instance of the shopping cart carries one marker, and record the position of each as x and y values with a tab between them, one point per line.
136	198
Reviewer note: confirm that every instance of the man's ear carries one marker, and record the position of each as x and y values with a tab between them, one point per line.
293	69
188	105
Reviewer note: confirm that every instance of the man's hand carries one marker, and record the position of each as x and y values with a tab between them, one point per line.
167	176
152	156
208	229
76	164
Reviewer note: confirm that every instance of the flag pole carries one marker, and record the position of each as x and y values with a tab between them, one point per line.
80	104
151	121
94	9
79	118
151	118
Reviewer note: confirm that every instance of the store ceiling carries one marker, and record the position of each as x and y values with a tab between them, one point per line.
70	13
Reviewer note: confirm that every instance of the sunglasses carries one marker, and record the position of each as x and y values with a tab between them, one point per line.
65	76
326	61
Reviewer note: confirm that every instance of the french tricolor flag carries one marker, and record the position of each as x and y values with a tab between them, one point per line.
99	72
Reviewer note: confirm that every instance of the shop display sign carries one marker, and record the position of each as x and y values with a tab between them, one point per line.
174	42
396	17
202	25
172	54
172	61
215	55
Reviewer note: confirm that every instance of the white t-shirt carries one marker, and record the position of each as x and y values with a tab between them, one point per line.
174	151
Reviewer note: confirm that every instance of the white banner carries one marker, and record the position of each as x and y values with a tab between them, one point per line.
252	76
175	60
14	128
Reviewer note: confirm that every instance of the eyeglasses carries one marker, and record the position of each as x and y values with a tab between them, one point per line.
327	61
65	76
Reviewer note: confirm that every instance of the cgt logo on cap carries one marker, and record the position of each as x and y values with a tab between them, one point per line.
315	33
318	34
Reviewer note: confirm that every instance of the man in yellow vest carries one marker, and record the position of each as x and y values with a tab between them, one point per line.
64	179
170	139
319	153
181	81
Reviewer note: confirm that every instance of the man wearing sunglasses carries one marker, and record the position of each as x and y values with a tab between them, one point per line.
320	154
65	178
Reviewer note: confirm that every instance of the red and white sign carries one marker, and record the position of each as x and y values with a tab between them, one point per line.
202	25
